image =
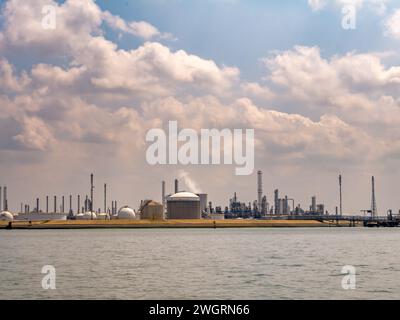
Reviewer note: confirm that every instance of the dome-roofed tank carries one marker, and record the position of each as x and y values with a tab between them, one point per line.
126	213
183	205
6	216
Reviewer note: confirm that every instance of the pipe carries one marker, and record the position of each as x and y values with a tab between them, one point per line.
70	203
91	192
163	194
105	197
5	198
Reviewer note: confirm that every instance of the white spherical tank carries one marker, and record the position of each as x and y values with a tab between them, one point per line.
126	213
6	216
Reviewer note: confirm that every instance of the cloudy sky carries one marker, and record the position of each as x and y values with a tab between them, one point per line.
80	98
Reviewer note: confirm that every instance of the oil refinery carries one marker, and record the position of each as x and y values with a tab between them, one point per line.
185	205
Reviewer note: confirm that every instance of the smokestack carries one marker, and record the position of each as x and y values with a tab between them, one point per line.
55	204
1	199
105	198
259	189
79	203
276	201
47	204
86	203
5	204
314	204
340	194
176	186
70	203
62	205
374	210
37	205
91	193
163	194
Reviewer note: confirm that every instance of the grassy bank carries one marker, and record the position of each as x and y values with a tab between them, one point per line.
88	224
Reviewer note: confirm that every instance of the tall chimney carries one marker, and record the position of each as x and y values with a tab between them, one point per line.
91	192
62	205
70	203
5	198
259	189
340	195
79	203
55	204
105	197
47	204
37	205
1	201
163	194
176	186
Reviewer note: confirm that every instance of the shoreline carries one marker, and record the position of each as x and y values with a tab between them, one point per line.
136	224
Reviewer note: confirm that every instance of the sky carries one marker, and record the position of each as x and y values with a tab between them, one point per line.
79	97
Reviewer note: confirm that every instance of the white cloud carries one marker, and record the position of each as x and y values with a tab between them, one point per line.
379	7
317	5
35	134
140	29
392	25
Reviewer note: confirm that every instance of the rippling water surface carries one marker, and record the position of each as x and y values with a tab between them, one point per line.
200	263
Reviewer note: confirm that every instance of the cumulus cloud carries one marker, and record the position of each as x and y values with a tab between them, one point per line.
140	29
9	80
35	134
392	25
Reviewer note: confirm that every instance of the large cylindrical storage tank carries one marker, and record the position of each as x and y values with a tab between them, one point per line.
183	205
203	201
152	210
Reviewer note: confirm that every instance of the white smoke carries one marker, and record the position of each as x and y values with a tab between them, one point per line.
189	182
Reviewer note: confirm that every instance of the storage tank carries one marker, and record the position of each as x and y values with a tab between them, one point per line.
183	205
86	216
126	213
203	201
152	210
6	216
103	216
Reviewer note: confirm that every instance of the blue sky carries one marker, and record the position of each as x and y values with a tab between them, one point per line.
240	33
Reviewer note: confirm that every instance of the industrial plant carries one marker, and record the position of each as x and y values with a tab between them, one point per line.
185	205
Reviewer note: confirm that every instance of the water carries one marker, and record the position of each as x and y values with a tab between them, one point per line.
200	263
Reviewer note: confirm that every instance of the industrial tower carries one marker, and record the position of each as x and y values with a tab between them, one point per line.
340	195
374	210
259	189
